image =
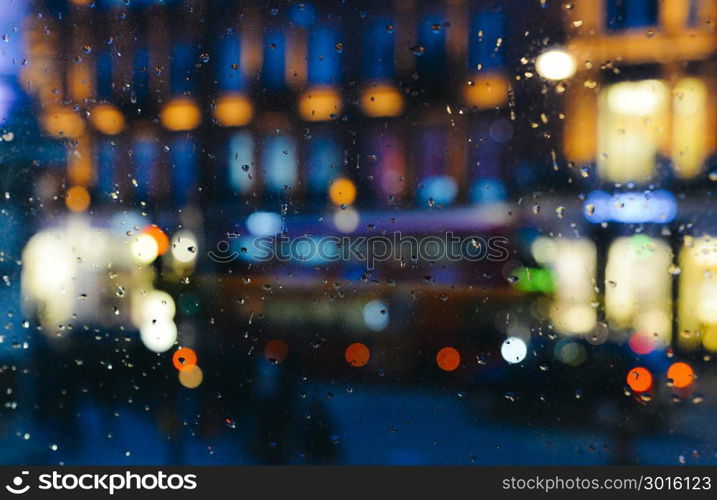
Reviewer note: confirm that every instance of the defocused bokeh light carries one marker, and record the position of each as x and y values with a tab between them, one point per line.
448	359
639	379
357	354
555	64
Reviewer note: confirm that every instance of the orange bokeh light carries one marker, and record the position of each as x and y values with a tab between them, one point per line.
276	350
681	374
448	359
320	104
184	358
381	99
234	110
192	377
77	199
639	379
486	91
159	236
342	191
180	114
357	354
63	122
107	119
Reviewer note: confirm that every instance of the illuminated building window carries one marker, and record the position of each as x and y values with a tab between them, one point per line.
325	162
233	108
302	14
380	97
632	124
573	263
140	74
431	49
485	47
183	60
279	163
378	50
322	101
389	169
324	59
230	72
144	153
638	286
242	169
184	170
484	167
627	14
486	86
435	185
106	165
104	75
272	75
690	127
639	120
697	306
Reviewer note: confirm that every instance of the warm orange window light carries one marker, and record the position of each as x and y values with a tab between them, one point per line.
639	379
320	104
181	113
681	374
159	236
63	122
486	91
233	110
342	192
381	100
107	119
77	199
276	350
184	358
357	354
448	359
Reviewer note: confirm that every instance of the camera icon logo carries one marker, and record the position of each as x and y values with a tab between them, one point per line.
16	488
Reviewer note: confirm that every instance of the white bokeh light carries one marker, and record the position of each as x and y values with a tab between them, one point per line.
158	335
375	315
346	221
513	350
184	247
556	64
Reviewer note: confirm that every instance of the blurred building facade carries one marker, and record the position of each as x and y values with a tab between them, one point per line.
232	121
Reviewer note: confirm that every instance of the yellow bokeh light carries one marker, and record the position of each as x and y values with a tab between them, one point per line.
234	110
77	199
191	378
63	122
181	113
342	192
107	119
381	100
320	104
486	91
